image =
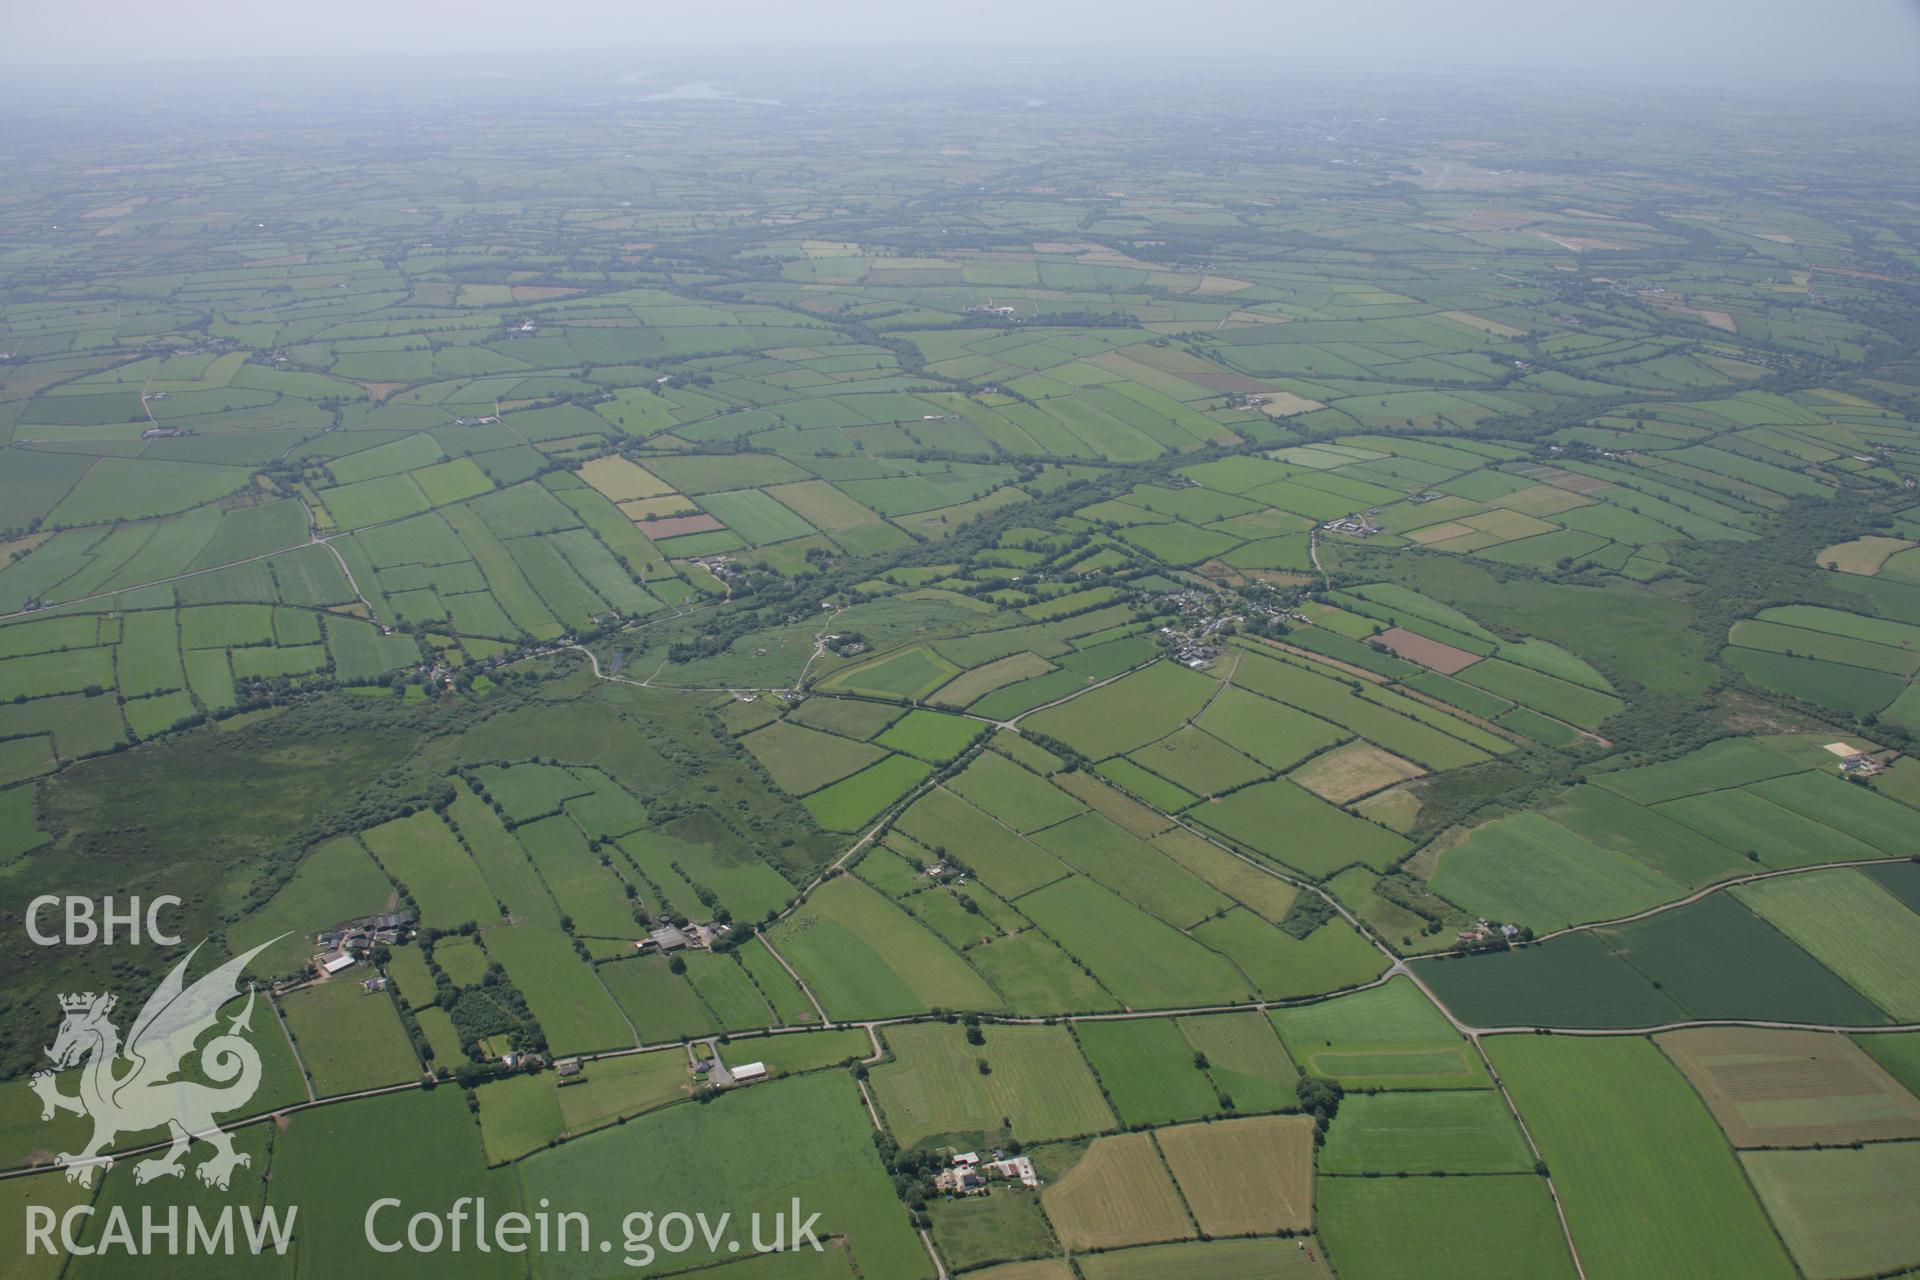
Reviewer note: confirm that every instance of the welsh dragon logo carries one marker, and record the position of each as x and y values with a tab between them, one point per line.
136	1087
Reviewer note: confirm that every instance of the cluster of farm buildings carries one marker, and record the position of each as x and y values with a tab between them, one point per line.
968	1174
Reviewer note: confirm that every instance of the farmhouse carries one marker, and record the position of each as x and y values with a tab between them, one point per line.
1358	526
665	938
959	1182
1015	1168
1854	762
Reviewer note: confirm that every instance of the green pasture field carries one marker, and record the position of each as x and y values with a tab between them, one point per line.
1823	797
1731	762
726	988
1150	787
407	969
528	791
1034	976
609	811
567	999
1571	981
261	662
348	1039
1271	732
19	823
501	860
966	689
1898	1053
1842	1213
39	675
1199	762
403	454
1245	1059
941	909
1611	821
854	801
1441	1228
443	1038
755	516
1291	825
420	853
865	957
1529	870
711	473
802	760
1007	1223
1037	1081
817	1121
1429	1131
1570	702
1133	869
517	598
1020	799
129	489
848	717
462	958
1388	1037
1830	684
1716	959
1853	926
802	1050
1280	966
371	502
895	874
1382	724
930	736
610	1088
905	675
1145	963
1645	1177
359	653
435	1151
1118	808
822	505
1148	1070
518	1116
1128	713
1846	649
1004	862
662	1005
148	656
1745	820
99	1255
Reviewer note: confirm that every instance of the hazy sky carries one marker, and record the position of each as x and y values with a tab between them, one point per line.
1826	40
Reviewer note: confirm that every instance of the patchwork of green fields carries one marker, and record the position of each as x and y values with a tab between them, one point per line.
1056	642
